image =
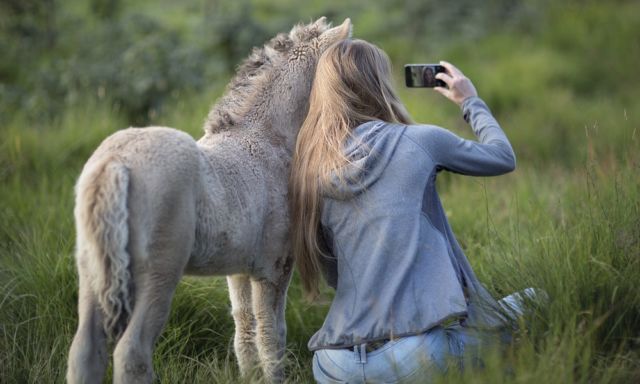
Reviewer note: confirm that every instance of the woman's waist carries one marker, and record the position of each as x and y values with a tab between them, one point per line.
378	344
378	333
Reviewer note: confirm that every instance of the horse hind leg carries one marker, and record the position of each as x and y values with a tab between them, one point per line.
244	337
155	278
132	357
88	356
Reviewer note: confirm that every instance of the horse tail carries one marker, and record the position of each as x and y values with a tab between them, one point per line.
103	234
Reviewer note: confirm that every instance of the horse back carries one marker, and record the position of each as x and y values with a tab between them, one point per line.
164	177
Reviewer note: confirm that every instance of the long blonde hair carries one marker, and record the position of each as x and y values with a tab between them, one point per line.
352	85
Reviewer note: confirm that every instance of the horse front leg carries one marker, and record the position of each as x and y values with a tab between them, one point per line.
244	338
269	302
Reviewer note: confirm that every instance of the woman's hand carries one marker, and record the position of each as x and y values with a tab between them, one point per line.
460	87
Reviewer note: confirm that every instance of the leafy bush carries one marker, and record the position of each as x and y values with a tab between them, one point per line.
135	62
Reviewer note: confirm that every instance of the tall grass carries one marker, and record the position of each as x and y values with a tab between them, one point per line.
567	220
573	231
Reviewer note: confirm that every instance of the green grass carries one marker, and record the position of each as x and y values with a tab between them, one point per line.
567	220
573	231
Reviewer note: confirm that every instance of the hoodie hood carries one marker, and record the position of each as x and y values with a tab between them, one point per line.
370	149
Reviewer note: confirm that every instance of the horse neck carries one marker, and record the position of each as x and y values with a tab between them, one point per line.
275	126
262	117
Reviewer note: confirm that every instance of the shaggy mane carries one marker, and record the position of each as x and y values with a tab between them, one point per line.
254	74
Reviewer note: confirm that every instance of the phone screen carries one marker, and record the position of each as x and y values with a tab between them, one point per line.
423	75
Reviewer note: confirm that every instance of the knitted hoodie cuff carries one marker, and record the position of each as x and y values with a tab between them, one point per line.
467	105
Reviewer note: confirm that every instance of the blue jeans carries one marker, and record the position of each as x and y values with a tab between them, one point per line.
408	359
416	358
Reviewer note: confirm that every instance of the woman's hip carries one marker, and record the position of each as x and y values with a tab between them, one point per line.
418	357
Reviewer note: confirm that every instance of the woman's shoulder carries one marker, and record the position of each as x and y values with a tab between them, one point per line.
425	135
424	130
374	133
374	127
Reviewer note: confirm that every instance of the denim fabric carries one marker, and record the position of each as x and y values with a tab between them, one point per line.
419	358
408	359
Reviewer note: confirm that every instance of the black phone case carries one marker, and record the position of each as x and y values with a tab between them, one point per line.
423	82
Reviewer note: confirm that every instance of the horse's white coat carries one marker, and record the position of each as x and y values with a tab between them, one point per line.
152	204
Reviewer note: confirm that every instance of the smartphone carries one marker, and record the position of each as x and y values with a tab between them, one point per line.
423	75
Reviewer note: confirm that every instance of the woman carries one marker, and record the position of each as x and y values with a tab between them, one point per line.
366	215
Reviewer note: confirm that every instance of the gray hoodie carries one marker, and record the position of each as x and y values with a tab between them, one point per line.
396	265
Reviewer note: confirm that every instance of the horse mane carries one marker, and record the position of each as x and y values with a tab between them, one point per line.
254	74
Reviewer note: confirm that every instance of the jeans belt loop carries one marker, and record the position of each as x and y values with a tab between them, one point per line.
360	353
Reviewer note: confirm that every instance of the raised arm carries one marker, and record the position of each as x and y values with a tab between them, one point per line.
492	155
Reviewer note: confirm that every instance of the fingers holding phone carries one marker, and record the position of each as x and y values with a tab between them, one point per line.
459	87
444	78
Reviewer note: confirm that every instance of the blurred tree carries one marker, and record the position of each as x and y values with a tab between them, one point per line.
28	31
56	52
432	24
106	9
231	30
138	64
34	20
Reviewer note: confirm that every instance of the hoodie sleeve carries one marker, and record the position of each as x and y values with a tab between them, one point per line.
492	155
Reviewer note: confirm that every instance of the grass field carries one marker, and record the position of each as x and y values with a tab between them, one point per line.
567	220
574	232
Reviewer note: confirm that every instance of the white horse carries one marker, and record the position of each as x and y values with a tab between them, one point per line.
152	204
